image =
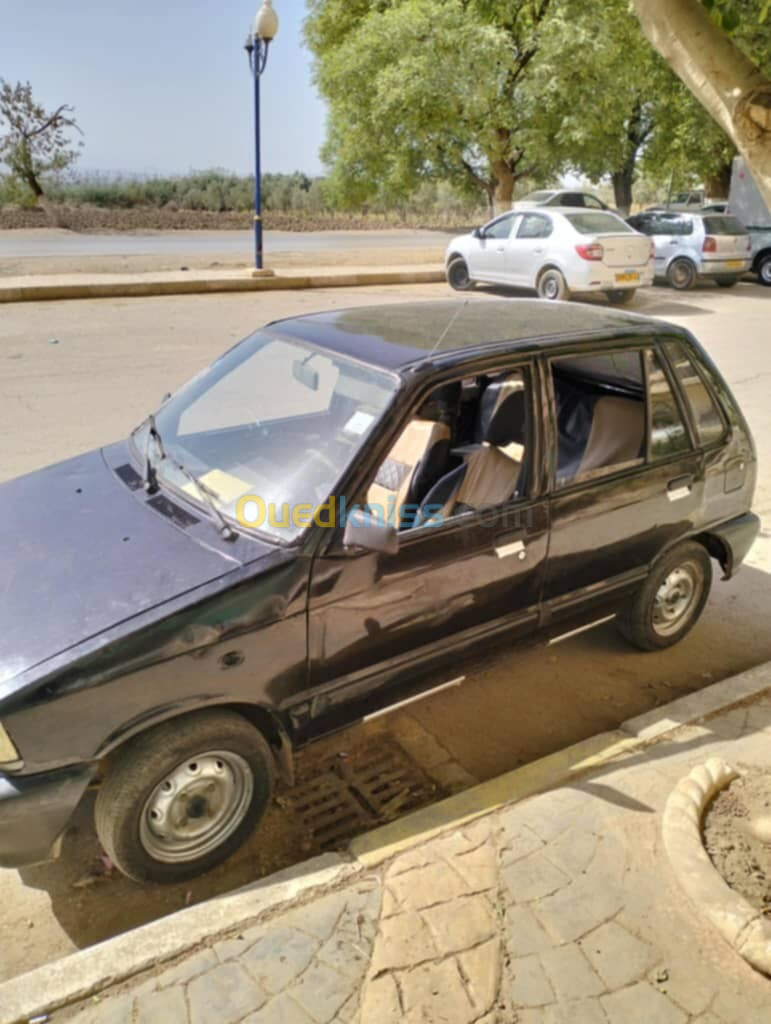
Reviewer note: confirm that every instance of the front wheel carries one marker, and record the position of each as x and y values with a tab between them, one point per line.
681	274
552	285
764	269
620	296
183	796
727	281
670	601
458	276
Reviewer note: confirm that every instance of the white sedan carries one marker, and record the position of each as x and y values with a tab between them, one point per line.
556	252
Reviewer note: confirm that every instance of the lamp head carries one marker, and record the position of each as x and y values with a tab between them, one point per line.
266	22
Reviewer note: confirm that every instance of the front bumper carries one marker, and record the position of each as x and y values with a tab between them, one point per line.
34	810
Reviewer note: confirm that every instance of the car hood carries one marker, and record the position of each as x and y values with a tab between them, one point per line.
82	553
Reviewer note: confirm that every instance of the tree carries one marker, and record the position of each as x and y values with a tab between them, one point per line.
37	141
727	82
424	90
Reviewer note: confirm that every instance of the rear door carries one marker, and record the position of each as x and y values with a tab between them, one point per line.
627	479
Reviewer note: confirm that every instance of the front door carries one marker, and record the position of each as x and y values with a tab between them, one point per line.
376	619
526	248
486	260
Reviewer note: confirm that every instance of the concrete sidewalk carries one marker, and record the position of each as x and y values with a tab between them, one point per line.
39	287
560	908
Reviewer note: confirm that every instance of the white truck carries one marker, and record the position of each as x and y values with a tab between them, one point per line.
746	203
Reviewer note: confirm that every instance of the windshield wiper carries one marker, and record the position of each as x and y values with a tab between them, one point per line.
152	486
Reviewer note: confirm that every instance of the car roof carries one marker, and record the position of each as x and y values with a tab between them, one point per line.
403	335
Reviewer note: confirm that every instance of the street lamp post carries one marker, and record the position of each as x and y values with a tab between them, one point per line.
257	44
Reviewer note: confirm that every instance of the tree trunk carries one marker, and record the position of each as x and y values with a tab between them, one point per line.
719	183
504	186
622	189
722	78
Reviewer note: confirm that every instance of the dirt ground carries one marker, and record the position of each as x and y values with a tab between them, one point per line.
113	361
737	836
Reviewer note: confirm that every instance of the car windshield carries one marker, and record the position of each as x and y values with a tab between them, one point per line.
268	429
598	224
721	224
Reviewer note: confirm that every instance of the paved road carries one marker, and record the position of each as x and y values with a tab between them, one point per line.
111	362
45	242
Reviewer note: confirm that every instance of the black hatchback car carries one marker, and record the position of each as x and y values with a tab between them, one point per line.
317	523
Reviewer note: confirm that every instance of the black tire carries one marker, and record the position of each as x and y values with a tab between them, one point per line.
458	275
681	274
763	269
646	622
727	281
552	285
133	789
621	296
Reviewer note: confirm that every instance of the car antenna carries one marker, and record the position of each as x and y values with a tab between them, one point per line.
446	331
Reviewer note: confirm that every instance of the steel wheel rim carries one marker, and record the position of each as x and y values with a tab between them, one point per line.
196	806
676	598
550	287
681	274
765	271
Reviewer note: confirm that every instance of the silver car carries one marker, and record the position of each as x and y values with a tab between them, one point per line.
556	252
688	246
561	197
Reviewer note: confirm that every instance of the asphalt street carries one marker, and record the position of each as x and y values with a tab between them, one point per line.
79	374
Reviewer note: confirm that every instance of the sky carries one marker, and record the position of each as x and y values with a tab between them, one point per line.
163	86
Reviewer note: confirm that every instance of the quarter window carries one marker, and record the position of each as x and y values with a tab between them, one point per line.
704	412
668	433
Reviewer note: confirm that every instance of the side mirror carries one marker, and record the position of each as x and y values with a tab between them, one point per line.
364	530
477	233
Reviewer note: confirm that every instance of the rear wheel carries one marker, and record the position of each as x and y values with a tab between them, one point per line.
552	285
458	276
727	281
764	269
670	601
183	796
621	296
681	274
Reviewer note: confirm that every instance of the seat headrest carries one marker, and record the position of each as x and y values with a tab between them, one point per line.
442	404
503	412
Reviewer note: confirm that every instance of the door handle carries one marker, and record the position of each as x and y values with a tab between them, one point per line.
501	248
514	547
679	488
538	252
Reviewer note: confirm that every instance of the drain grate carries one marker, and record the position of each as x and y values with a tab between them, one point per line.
339	797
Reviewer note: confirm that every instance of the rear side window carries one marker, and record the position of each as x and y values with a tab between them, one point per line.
534	225
598	223
668	433
709	424
724	225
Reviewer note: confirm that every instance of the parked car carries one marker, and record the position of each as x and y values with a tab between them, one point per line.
315	526
688	246
688	202
561	197
746	203
554	251
721	207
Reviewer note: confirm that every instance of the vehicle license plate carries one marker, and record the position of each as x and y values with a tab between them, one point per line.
629	276
734	264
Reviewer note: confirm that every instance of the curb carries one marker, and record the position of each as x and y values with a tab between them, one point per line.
91	970
211	285
743	927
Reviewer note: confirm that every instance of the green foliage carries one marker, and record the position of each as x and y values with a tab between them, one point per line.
36	142
422	90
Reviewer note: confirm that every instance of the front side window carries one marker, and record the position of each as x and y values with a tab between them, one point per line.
600	414
668	433
707	420
277	420
500	228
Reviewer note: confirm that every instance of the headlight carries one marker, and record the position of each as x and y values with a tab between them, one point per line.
8	753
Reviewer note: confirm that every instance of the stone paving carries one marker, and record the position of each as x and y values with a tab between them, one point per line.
561	909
